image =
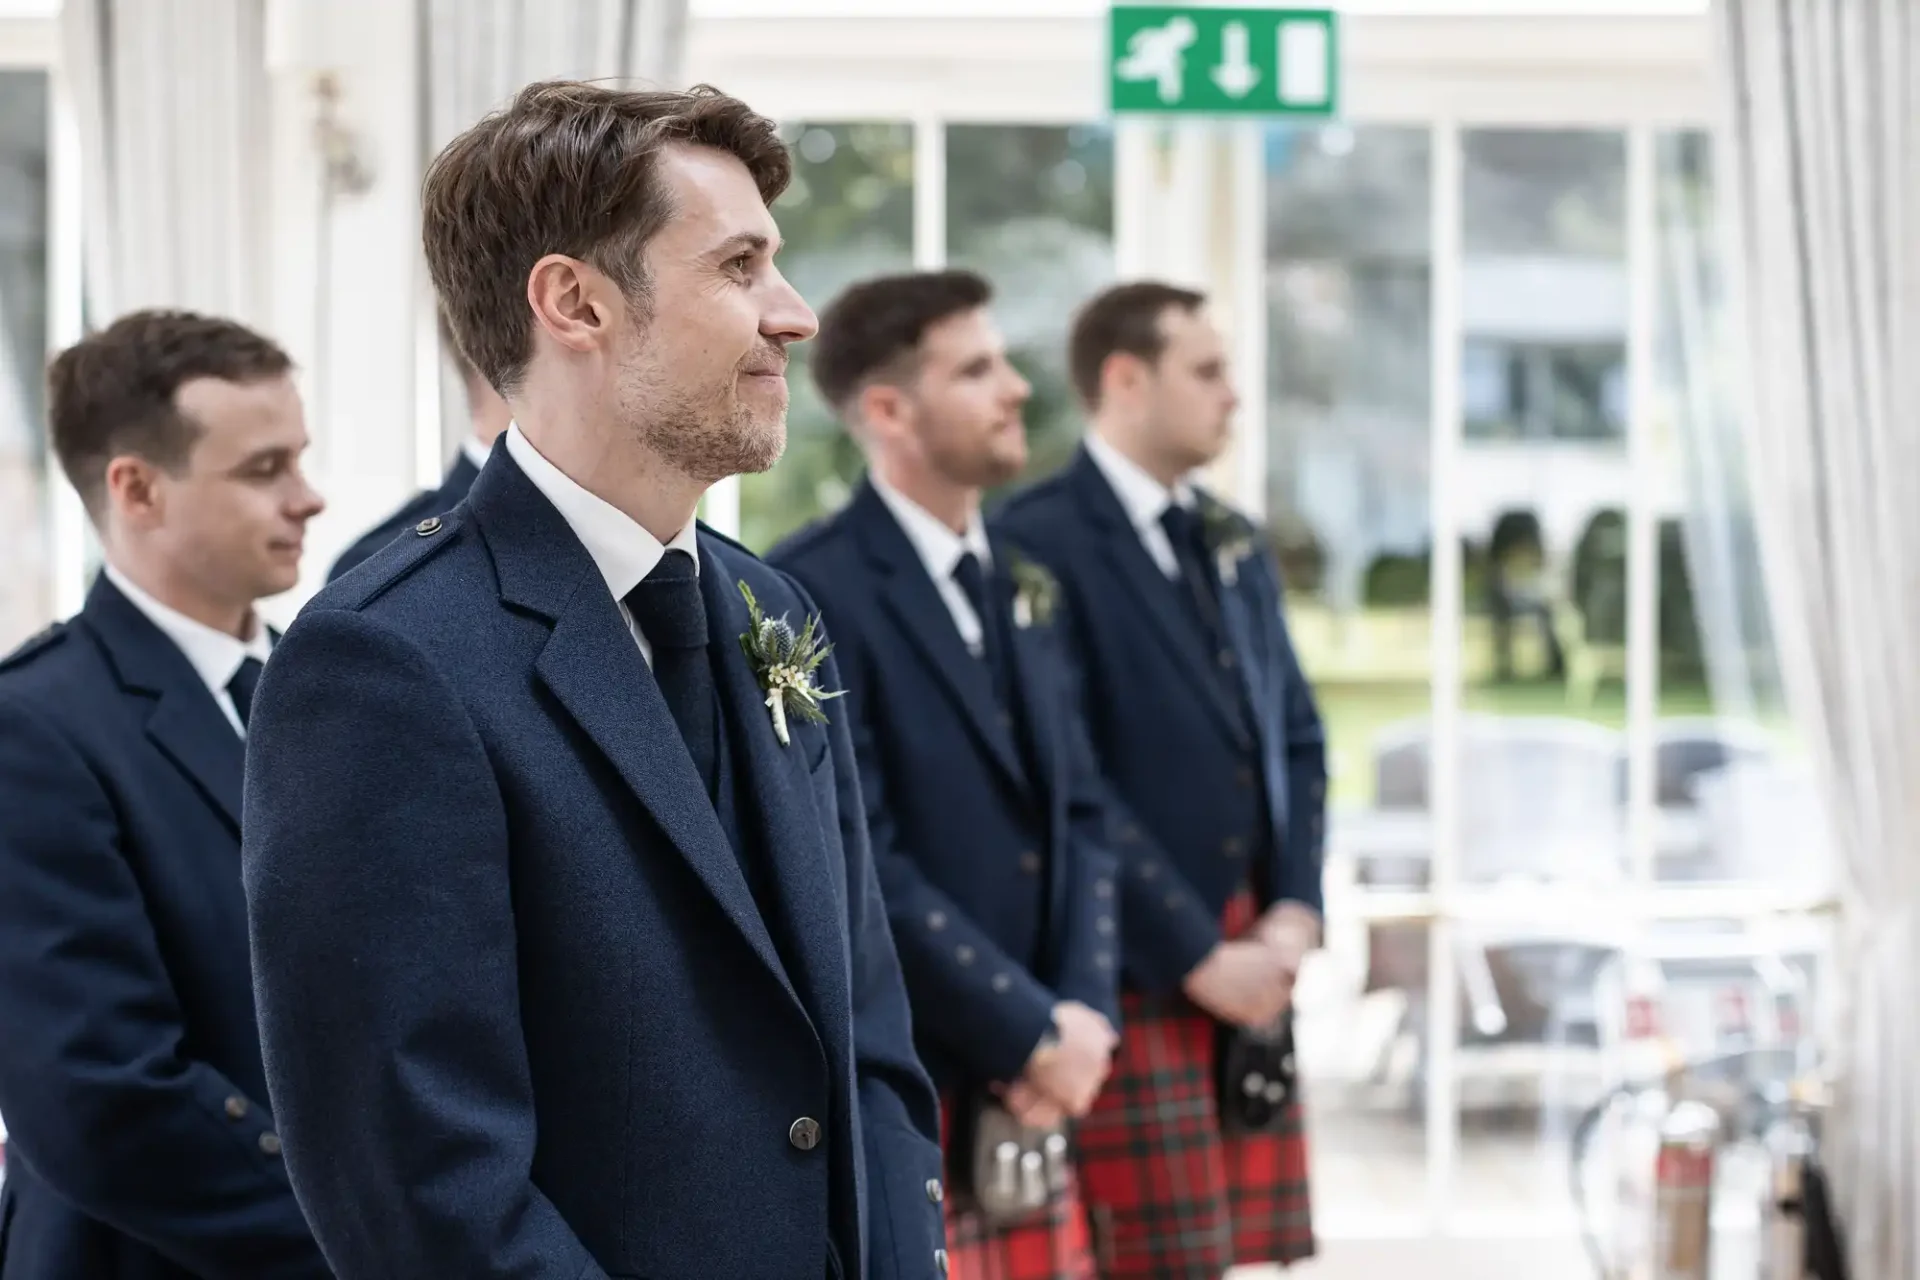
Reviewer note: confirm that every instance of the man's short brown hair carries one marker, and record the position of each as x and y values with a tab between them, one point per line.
874	327
1124	318
113	393
566	168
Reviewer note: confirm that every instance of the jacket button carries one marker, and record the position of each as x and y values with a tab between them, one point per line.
805	1133
936	920
1002	983
428	527
1104	926
236	1107
270	1143
1030	863
940	1260
1103	888
1103	960
935	1192
963	953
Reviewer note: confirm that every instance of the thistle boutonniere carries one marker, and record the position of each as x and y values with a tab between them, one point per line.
785	663
1036	591
1229	535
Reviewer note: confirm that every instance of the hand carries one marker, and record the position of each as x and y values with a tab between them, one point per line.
1071	1071
1030	1106
1243	982
1292	929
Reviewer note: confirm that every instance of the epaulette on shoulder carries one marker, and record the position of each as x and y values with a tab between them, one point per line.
410	549
34	646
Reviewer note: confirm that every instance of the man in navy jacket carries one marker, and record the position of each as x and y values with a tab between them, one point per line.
988	837
142	1146
489	417
1205	725
570	957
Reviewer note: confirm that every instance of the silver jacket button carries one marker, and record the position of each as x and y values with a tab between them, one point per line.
805	1133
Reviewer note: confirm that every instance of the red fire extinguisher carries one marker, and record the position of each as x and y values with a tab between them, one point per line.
1683	1193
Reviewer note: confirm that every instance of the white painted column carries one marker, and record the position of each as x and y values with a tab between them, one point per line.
344	292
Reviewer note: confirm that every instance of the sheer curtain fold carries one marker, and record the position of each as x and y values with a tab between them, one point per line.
1821	127
168	97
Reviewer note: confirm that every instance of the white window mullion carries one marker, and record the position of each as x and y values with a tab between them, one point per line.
1443	1092
66	320
1643	516
1246	160
929	193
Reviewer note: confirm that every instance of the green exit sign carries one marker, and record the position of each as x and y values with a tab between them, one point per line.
1222	61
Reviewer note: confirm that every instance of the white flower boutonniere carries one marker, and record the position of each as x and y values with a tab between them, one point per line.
1230	535
1036	592
785	662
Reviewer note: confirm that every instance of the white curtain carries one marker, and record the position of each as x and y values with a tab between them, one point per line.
1821	141
170	98
478	53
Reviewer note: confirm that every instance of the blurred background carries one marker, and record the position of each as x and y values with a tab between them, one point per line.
1490	423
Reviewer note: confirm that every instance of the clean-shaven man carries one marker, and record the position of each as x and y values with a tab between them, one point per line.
141	1142
570	955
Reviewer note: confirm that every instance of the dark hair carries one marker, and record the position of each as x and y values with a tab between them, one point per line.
566	168
113	393
874	328
1124	318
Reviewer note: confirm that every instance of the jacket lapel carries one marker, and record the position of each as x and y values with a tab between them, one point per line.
1157	595
923	618
776	781
595	671
182	718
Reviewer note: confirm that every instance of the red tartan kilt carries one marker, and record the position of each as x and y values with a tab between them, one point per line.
1170	1197
1056	1246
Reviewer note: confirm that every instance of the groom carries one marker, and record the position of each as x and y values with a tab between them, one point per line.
569	954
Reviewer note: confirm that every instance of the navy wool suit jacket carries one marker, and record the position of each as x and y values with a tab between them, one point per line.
521	1012
992	858
141	1146
1225	777
430	502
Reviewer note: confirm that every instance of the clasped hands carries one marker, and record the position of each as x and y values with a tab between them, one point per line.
1066	1071
1248	981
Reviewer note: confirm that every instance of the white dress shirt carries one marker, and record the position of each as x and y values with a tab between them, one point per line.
475	452
1143	498
621	549
214	655
940	549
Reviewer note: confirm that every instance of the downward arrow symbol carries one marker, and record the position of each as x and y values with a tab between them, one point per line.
1236	75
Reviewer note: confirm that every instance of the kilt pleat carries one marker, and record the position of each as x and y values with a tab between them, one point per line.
1168	1196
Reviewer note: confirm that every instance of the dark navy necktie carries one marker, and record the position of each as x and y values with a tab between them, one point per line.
672	615
994	641
1189	541
242	686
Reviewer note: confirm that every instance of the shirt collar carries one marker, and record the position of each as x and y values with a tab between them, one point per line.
939	547
214	655
1144	498
622	550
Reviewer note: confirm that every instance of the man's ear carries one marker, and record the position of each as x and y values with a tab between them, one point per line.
572	301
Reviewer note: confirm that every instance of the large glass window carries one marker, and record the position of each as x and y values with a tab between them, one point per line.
1349	285
26	587
1510	967
848	214
1031	208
